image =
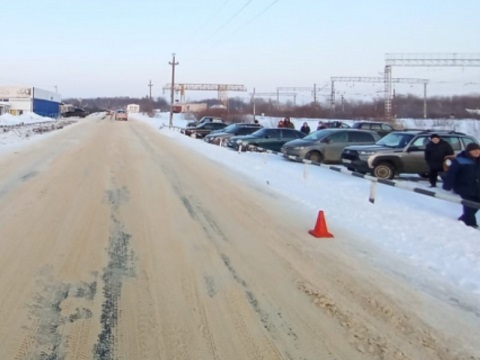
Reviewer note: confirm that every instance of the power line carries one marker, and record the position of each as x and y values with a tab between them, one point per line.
255	17
233	17
211	16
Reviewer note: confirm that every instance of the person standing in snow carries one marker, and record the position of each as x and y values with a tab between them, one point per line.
435	153
281	124
321	125
288	124
463	177
305	128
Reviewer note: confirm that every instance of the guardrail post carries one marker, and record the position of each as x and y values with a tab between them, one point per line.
373	192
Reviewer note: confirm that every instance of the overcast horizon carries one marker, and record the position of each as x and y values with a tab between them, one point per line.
86	49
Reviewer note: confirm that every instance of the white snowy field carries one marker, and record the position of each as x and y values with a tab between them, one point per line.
417	237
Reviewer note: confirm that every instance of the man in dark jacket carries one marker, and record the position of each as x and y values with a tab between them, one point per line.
463	177
435	153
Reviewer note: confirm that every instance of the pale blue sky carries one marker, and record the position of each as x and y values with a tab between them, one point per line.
92	48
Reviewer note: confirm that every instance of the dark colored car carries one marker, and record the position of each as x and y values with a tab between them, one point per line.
75	112
203	129
238	129
399	152
203	120
265	138
327	145
380	128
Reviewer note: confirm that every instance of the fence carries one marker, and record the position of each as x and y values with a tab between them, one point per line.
374	180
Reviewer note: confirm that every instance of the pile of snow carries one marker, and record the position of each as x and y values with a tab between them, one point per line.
26	118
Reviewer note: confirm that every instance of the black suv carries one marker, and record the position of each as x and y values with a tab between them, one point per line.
75	112
220	136
399	152
380	128
204	129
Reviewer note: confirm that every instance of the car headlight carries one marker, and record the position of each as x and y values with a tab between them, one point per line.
366	152
298	147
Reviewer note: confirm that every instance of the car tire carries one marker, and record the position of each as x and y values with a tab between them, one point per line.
315	156
384	170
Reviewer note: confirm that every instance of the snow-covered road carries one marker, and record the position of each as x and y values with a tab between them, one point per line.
119	238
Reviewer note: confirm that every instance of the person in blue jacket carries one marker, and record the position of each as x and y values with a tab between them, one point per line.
463	177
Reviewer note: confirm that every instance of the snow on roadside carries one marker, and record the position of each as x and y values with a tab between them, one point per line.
420	230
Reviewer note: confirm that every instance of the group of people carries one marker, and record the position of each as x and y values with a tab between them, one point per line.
286	123
462	176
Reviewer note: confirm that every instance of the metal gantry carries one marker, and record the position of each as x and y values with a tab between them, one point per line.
423	60
222	89
385	80
314	91
277	94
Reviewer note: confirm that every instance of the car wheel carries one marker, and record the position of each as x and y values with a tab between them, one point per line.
384	170
315	156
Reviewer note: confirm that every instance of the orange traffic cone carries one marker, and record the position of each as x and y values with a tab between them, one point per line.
320	230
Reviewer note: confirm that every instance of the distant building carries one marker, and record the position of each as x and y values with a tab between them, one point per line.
133	108
17	100
187	108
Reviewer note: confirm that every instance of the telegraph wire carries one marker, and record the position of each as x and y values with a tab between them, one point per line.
251	20
211	16
255	17
233	17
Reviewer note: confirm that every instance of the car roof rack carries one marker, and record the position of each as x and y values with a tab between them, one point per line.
434	131
428	131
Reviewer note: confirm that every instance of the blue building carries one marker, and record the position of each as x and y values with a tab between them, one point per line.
19	100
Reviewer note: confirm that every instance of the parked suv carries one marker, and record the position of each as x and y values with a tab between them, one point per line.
204	120
266	138
327	145
75	112
204	129
399	152
220	136
380	128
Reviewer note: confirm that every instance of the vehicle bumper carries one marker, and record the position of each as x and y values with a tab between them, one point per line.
295	153
357	165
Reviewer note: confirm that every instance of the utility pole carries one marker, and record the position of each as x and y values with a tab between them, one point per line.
173	64
150	86
253	103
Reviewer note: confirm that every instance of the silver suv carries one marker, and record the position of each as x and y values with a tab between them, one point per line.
327	145
399	152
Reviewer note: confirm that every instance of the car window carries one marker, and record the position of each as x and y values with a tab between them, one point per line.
466	141
454	141
357	136
376	127
387	127
317	135
421	142
217	125
244	131
338	137
208	126
395	140
289	134
273	133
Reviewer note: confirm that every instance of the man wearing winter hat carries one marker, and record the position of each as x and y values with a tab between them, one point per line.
463	177
435	153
